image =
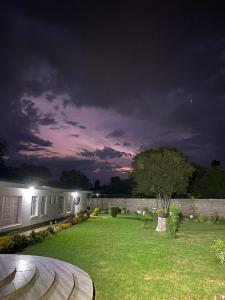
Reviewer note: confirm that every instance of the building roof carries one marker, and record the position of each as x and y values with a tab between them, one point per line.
56	186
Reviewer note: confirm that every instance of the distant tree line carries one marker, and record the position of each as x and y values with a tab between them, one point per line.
204	182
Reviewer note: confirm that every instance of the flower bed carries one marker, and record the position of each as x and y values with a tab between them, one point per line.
13	243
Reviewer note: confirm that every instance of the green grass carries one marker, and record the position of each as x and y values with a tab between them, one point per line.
127	261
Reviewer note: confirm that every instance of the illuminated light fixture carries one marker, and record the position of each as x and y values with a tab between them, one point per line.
97	194
31	189
76	194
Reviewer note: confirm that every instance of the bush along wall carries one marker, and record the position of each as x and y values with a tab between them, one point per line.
13	243
114	211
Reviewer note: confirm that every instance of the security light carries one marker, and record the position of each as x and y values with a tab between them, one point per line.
31	189
76	194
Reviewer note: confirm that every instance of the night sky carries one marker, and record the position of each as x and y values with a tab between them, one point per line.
87	84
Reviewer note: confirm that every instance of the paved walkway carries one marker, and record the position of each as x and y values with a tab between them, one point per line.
26	277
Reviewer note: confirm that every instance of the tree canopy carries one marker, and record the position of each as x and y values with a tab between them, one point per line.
162	173
74	178
211	184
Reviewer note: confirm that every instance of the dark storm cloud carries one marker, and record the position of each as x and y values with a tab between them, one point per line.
89	167
74	135
50	97
73	123
87	153
47	119
144	60
126	144
32	114
106	152
116	134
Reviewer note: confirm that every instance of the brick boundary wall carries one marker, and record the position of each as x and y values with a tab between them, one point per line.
204	206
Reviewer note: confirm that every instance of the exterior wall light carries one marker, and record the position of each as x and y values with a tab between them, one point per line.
31	189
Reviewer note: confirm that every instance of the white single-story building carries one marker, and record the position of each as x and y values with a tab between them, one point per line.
27	206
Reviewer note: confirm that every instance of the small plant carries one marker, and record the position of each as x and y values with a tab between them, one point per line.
64	226
173	221
70	219
146	209
50	230
114	210
20	242
96	212
35	237
6	244
219	249
160	212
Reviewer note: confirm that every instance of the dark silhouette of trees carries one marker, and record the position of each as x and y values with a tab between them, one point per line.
74	179
30	173
211	184
97	186
118	187
215	164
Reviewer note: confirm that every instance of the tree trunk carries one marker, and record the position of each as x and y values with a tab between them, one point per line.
161	227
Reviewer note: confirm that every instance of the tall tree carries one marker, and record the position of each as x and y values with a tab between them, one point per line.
75	179
119	186
162	173
30	173
97	185
197	175
215	164
211	185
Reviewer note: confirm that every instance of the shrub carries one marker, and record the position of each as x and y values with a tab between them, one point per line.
20	241
64	226
6	244
50	230
70	219
44	234
173	221
219	249
114	210
96	212
35	237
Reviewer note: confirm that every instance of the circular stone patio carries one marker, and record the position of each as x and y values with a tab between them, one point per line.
26	277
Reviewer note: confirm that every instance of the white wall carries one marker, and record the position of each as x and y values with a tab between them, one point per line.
25	218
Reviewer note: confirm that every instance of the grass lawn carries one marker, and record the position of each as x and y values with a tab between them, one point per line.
127	261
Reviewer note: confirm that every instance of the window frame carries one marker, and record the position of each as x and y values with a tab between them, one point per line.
43	199
36	206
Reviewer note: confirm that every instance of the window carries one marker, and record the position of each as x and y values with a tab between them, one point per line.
51	200
68	204
9	210
34	205
43	205
54	200
61	200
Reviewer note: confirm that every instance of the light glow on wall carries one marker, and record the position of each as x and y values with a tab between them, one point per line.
31	189
76	194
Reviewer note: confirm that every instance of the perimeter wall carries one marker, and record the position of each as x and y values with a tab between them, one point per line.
204	206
